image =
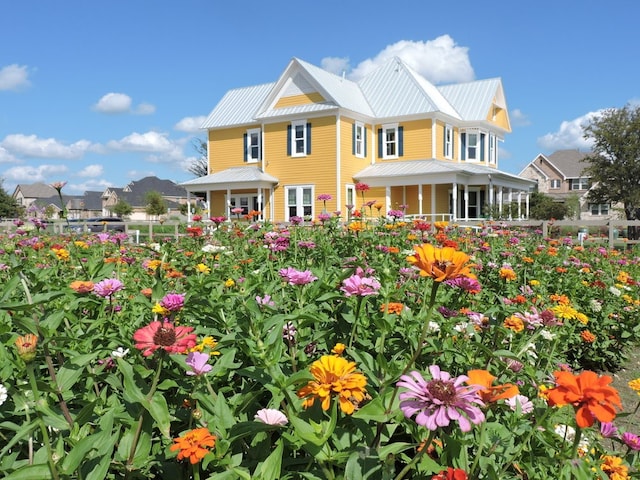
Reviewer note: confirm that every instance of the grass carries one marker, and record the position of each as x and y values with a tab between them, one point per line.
629	419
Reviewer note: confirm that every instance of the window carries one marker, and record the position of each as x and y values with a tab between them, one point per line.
390	141
555	184
299	202
493	152
299	139
359	140
448	141
252	145
579	183
472	146
599	208
351	198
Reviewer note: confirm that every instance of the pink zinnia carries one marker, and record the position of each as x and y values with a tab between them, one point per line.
173	301
297	277
165	336
631	440
440	400
360	285
271	416
107	287
197	361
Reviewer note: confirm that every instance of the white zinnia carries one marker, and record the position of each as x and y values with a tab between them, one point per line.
119	352
271	416
3	394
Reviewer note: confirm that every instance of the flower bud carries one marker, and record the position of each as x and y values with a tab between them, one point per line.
26	346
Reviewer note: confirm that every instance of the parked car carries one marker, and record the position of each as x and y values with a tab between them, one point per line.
97	225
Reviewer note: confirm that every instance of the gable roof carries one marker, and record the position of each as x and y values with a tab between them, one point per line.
35	190
391	91
569	162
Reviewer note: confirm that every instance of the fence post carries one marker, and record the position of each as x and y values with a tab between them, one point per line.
611	236
545	229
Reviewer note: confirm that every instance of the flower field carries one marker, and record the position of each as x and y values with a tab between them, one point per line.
377	348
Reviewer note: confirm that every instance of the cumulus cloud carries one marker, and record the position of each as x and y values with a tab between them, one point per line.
569	135
35	147
14	77
518	118
335	65
6	156
190	124
31	174
158	146
117	103
439	60
93	185
91	171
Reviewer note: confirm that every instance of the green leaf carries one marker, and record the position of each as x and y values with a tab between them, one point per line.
373	411
270	469
160	412
31	472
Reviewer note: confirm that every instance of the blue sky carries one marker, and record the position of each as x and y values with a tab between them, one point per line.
101	93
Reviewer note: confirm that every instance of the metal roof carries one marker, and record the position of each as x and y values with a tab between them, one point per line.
238	106
233	175
472	99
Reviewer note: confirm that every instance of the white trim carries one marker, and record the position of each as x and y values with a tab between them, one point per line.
395	143
248	157
294	139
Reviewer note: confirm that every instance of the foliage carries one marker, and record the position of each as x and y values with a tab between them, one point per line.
614	163
122	208
156	205
200	165
9	208
267	303
543	207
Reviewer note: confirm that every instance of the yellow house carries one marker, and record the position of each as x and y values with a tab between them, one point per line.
429	151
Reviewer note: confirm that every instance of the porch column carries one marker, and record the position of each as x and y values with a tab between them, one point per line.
526	200
188	206
433	202
454	200
261	216
500	198
387	199
490	195
519	205
510	202
420	199
229	203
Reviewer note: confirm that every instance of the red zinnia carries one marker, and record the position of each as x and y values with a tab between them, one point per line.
166	336
451	474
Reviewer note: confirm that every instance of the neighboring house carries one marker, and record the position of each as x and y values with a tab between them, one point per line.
135	195
433	150
25	194
560	175
39	198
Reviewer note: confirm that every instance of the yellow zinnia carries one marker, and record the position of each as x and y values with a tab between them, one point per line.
334	375
441	263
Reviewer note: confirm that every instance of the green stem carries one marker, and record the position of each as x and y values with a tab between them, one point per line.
41	424
355	321
152	390
196	471
576	442
480	449
418	456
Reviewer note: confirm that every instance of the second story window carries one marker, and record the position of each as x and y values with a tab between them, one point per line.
555	184
579	183
493	152
390	141
359	140
448	141
472	146
299	139
252	145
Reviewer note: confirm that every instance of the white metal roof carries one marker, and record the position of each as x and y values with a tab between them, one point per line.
234	177
473	99
238	106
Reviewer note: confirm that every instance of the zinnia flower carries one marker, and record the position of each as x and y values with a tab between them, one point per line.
631	440
3	394
591	396
198	363
81	286
614	468
27	345
173	301
193	444
489	393
271	416
107	287
526	405
440	263
451	474
440	400
297	277
360	285
164	335
334	375
635	385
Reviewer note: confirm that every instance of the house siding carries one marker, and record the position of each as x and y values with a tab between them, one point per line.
349	163
302	99
227	148
498	116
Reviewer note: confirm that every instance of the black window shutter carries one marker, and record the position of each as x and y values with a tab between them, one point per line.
364	140
289	140
482	147
444	142
260	144
308	138
245	141
463	146
353	139
379	143
400	141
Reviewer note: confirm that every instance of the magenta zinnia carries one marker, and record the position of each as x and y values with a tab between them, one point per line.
165	336
440	400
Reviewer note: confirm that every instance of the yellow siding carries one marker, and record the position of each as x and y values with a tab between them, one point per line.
442	198
226	148
218	207
350	164
302	99
500	117
317	169
417	140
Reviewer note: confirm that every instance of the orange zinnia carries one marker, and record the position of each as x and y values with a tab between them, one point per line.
82	286
491	393
192	444
334	374
27	345
441	263
591	396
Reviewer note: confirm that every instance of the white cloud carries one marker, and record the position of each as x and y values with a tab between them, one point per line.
569	135
518	118
335	65
138	174
14	77
90	185
6	156
91	171
149	142
145	109
33	146
30	174
114	103
439	60
190	124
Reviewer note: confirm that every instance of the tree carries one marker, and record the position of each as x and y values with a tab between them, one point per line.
614	162
543	207
9	208
200	166
155	203
122	208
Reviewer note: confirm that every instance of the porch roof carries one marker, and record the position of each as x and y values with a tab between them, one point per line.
414	172
234	177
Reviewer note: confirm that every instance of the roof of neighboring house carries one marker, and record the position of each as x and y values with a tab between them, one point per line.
391	91
567	163
35	190
92	200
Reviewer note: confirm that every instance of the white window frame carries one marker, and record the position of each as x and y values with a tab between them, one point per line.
599	208
359	139
390	144
251	133
247	201
476	146
448	141
350	196
555	184
493	151
299	139
581	183
300	204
